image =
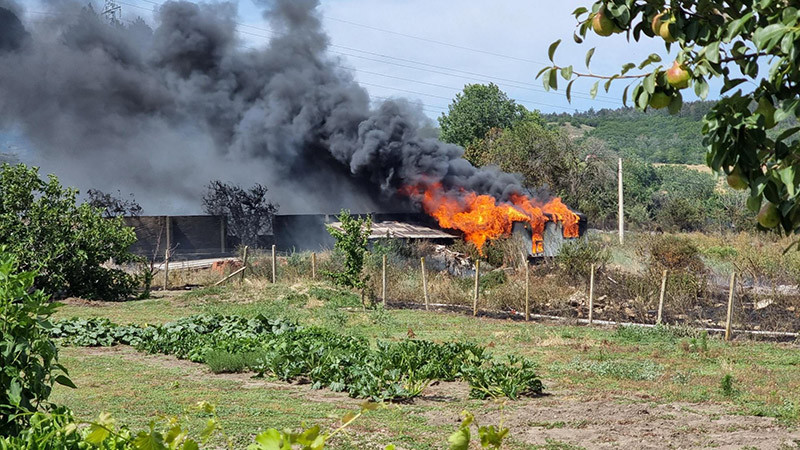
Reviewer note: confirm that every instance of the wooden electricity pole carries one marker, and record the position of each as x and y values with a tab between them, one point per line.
621	213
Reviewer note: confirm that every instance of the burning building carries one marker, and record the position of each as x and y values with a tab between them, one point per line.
161	107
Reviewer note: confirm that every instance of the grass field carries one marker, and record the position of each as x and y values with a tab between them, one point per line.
606	387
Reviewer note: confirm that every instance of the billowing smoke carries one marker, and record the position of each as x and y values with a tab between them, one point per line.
160	111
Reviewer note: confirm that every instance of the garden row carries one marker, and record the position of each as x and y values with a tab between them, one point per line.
288	351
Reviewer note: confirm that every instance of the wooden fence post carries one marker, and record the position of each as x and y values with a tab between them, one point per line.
314	266
166	269
244	265
475	294
383	280
274	263
730	308
424	281
591	294
661	298
527	291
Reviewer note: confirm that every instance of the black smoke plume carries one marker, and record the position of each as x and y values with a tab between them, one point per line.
160	111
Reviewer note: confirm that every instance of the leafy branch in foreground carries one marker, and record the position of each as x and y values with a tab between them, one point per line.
59	430
750	134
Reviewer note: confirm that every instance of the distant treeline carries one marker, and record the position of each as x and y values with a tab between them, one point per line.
654	136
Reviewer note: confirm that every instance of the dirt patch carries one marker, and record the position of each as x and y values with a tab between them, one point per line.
629	423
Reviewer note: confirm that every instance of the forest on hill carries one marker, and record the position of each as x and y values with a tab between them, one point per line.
654	136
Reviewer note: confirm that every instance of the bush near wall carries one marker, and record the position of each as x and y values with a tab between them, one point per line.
66	243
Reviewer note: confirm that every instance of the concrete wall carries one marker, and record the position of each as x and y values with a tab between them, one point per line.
189	236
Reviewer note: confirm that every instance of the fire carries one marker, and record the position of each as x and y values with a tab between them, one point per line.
482	217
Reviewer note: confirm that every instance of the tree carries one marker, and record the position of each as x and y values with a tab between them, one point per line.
477	110
249	212
113	206
68	244
351	242
729	40
542	156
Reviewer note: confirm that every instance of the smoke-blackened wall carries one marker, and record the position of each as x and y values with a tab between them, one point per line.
160	111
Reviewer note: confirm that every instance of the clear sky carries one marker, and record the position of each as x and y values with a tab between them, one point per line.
427	50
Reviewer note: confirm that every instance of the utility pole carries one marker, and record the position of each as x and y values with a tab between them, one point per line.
112	12
621	212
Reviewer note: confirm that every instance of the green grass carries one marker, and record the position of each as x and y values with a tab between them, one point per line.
664	364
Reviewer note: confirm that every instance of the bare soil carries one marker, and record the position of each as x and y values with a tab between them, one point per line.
611	420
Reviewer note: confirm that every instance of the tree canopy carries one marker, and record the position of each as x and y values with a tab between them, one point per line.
478	109
751	46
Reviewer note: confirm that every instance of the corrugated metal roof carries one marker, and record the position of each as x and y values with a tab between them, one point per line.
402	230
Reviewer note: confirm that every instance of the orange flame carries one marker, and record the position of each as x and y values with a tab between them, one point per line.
482	217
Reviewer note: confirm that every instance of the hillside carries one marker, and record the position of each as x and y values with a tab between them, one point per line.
654	136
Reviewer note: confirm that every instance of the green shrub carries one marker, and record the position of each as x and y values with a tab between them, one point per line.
28	356
221	361
674	253
67	244
726	385
351	243
577	256
493	279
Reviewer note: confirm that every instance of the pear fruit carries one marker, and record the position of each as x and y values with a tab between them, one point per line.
655	25
769	217
602	25
678	76
659	100
660	26
736	180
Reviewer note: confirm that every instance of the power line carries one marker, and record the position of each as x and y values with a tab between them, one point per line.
401	59
509	82
434	41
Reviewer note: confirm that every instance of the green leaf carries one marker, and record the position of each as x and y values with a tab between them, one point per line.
593	91
787	109
149	441
208	430
754	203
701	88
99	431
546	79
64	381
625	95
459	440
271	439
787	176
766	38
551	51
190	444
607	84
589	55
566	72
627	67
712	52
735	26
675	104
15	392
649	83
553	80
579	11
569	91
